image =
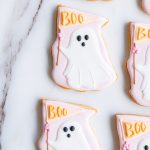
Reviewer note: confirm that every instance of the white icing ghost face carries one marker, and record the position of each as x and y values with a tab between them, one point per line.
69	130
70	137
83	41
144	144
146	5
86	66
82	47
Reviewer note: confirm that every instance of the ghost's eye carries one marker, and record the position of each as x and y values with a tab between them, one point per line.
86	37
65	129
146	147
72	128
79	37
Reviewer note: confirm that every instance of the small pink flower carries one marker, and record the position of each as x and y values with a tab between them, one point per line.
46	127
134	49
60	35
126	146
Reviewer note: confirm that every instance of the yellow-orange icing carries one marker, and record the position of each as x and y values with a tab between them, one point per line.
143	127
71	18
128	130
141	33
55	112
132	129
80	18
65	18
51	114
149	34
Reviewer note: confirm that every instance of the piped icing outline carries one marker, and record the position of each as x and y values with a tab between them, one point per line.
140	43
78	114
133	142
90	21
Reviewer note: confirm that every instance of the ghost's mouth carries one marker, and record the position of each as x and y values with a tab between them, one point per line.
146	147
83	44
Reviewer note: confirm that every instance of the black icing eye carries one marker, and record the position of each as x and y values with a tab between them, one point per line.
83	44
86	37
72	128
146	147
65	129
68	135
79	38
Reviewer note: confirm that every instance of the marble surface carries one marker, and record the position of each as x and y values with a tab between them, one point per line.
27	30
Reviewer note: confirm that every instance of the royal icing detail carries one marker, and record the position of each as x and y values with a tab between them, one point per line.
65	131
80	58
133	131
144	144
138	63
70	136
144	70
71	18
126	146
143	33
85	68
55	112
146	6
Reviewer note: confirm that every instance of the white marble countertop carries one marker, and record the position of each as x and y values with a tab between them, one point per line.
26	34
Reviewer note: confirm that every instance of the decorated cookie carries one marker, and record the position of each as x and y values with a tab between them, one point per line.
134	132
80	59
66	127
146	6
139	62
98	0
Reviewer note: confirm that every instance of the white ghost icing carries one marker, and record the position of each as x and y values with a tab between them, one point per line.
86	67
70	140
144	70
144	144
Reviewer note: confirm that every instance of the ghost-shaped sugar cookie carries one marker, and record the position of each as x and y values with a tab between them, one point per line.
139	62
80	59
146	6
66	126
134	132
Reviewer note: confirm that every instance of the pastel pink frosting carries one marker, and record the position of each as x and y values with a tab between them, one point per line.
146	6
76	113
140	56
131	143
64	34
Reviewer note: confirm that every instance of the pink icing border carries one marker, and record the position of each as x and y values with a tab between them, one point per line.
133	142
135	91
57	72
83	118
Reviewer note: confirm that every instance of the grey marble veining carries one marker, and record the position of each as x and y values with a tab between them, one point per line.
27	31
13	46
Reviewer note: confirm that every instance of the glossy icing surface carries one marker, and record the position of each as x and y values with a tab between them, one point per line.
80	60
133	131
70	136
85	67
144	144
69	131
138	63
144	70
